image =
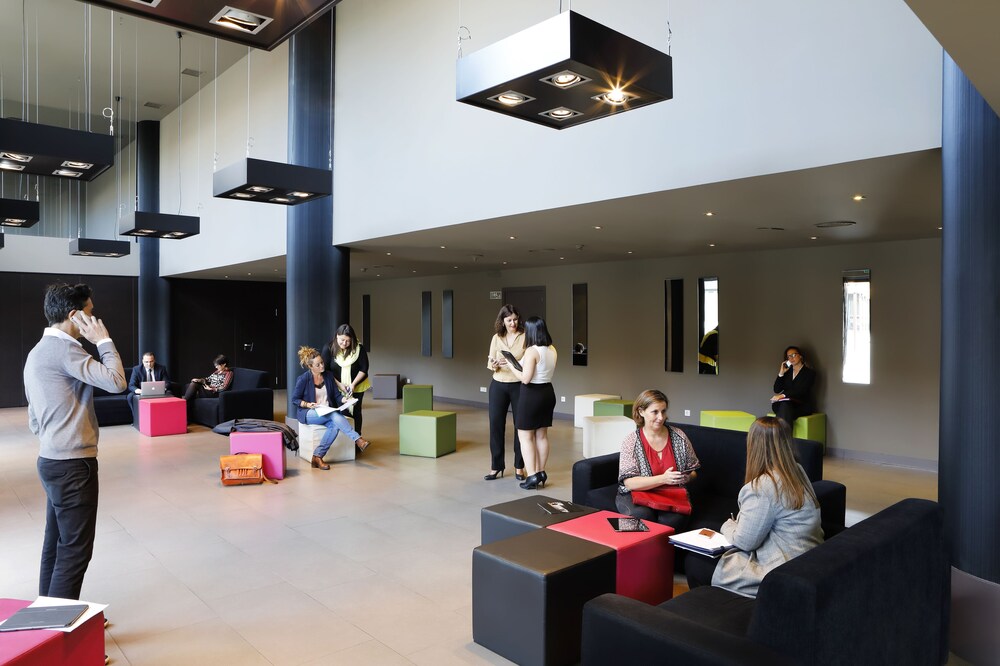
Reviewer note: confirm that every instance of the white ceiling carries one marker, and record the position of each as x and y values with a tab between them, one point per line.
903	192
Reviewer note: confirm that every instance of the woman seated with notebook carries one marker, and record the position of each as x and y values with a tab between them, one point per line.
317	388
779	515
656	462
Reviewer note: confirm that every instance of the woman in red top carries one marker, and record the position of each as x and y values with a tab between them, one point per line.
656	462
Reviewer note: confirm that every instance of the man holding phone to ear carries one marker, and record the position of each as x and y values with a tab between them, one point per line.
59	380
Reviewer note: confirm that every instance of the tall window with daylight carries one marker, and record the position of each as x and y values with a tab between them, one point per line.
857	327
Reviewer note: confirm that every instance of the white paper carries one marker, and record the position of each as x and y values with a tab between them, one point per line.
696	539
92	610
323	410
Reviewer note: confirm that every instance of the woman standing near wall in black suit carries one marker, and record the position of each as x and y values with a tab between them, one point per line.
793	387
349	362
505	388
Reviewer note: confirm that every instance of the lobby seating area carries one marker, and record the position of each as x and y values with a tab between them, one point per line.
372	556
251	396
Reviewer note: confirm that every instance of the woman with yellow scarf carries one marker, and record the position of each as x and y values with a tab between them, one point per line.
349	362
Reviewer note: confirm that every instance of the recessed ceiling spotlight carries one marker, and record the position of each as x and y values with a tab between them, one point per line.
630	252
14	222
560	113
77	165
859	197
505	263
226	276
709	213
242	195
175	234
615	97
940	228
147	3
711	244
442	247
300	195
565	79
7	166
835	223
67	173
388	254
513	237
413	271
812	238
511	98
454	266
242	20
598	227
259	189
16	157
281	200
562	257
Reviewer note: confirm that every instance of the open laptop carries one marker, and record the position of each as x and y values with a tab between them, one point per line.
152	389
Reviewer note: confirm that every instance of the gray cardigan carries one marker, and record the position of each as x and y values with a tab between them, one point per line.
59	381
766	534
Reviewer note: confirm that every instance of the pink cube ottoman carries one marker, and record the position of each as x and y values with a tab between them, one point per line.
162	416
268	444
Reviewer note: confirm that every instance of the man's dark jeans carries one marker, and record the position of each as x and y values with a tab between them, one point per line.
71	489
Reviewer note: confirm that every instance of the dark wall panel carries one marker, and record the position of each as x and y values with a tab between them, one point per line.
23	321
243	320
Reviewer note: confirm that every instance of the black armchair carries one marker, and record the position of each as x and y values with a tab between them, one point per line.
250	396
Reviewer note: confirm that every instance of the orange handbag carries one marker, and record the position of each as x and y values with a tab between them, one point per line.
243	469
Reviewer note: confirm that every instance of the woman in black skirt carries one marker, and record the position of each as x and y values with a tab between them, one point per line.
537	400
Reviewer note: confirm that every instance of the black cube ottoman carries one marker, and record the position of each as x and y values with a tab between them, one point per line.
502	521
528	594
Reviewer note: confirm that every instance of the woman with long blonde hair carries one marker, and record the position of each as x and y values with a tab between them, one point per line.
779	515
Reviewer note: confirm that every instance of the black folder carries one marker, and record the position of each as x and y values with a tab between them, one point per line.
44	617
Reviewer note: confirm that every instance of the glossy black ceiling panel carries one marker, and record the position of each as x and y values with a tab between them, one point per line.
262	24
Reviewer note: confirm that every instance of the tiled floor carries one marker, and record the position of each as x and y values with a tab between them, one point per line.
368	563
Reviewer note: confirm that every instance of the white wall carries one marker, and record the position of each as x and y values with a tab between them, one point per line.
767	300
761	87
231	231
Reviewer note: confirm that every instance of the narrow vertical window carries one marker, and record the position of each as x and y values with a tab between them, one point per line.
708	326
857	327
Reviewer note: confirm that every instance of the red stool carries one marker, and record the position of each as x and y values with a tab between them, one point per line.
162	416
269	444
645	569
84	646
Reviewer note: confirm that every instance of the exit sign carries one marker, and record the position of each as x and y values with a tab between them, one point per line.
496	295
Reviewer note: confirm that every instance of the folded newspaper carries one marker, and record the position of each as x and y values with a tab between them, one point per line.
704	541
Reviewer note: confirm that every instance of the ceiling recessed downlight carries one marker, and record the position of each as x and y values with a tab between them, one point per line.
77	165
859	197
616	97
66	173
259	189
7	166
560	113
242	195
242	20
15	157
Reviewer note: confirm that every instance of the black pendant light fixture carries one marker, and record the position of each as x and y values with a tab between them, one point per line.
263	181
44	150
565	71
99	247
164	225
19	213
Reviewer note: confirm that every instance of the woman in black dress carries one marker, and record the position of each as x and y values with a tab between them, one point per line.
537	401
793	387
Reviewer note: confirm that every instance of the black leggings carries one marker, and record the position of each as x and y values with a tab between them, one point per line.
503	396
356	411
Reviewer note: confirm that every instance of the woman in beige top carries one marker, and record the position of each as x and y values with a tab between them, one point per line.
504	389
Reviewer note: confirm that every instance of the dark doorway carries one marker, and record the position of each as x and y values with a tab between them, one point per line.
529	301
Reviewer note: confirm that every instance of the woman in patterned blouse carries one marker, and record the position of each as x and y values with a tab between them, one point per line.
211	386
656	463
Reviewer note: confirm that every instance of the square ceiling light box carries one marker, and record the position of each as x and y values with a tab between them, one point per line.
272	182
99	247
159	225
564	71
19	213
46	150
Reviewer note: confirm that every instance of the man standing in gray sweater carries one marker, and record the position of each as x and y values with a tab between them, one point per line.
59	381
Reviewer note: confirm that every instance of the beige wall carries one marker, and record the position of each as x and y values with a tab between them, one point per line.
768	300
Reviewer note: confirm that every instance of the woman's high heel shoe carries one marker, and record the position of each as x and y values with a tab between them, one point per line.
493	475
532	482
545	477
520	474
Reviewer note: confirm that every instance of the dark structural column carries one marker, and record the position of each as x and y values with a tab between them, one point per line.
969	453
154	291
318	274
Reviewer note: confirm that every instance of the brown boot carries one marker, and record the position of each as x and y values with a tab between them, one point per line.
318	463
362	444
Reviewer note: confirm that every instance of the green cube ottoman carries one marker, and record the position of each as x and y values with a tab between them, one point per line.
727	419
613	407
811	426
427	433
417	397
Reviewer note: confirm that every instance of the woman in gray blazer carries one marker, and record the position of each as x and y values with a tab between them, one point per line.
779	515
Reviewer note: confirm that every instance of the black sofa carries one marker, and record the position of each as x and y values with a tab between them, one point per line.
877	593
716	487
250	396
112	408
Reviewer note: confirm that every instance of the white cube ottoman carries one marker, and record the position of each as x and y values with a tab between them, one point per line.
583	405
310	436
604	434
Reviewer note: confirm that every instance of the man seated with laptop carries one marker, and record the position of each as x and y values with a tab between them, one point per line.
149	379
